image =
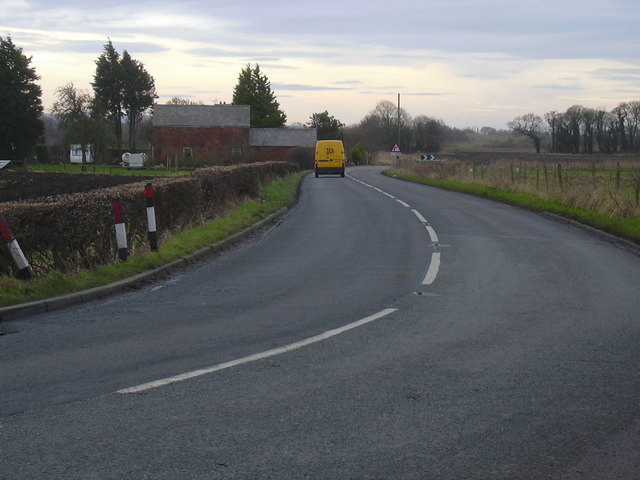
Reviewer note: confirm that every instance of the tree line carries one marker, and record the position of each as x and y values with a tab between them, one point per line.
122	89
583	130
386	125
124	93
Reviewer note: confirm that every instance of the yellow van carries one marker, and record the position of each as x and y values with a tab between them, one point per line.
330	157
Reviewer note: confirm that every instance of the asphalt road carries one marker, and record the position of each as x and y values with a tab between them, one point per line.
383	330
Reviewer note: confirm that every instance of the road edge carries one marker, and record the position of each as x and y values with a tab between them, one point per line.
620	242
36	307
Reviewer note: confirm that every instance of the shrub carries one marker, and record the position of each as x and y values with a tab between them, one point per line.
358	154
303	157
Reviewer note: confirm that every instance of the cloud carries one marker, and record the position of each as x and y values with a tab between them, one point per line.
215	52
307	88
574	87
618	74
424	94
348	82
509	55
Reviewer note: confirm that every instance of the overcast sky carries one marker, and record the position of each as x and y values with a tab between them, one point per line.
466	62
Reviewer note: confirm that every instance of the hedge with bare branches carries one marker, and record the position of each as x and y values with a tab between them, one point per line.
70	232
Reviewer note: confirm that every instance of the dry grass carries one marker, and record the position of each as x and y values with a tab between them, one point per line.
610	187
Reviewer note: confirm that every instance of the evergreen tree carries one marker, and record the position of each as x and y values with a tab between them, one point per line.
122	87
329	127
254	89
244	91
20	97
138	93
108	89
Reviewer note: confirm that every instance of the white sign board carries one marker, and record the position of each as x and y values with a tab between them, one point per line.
395	152
4	163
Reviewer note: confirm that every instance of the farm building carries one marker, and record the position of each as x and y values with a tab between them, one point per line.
215	134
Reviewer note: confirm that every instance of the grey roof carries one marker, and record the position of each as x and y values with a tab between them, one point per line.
283	137
201	116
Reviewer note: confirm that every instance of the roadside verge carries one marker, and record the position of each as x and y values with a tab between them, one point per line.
574	217
51	303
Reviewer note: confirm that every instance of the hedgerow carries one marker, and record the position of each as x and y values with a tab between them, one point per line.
67	233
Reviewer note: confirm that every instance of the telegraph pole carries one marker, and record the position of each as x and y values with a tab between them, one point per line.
398	133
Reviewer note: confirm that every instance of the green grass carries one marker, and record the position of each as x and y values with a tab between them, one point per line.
278	194
628	228
103	169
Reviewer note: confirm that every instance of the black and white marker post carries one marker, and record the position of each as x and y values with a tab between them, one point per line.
24	270
121	231
151	217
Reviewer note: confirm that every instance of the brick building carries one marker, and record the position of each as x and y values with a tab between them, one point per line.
215	134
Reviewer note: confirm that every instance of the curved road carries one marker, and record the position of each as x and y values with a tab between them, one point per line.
383	330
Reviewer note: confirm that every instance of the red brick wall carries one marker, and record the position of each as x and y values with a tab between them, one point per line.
209	145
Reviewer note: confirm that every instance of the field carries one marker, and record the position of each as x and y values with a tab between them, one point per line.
40	180
609	185
20	185
599	191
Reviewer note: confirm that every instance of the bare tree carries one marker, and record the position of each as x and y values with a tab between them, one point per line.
183	101
573	119
553	119
387	115
428	134
621	112
73	110
378	130
588	126
633	124
529	125
600	130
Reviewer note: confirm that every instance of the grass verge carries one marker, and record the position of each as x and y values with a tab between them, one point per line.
278	194
627	228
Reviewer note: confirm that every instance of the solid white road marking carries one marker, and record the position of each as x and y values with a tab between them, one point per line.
434	266
258	356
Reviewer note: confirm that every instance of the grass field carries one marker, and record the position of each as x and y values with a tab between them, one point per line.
104	169
601	192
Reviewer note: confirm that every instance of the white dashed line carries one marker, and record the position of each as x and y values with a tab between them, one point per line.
419	215
434	266
432	234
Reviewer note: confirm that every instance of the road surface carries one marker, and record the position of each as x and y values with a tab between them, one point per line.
383	330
